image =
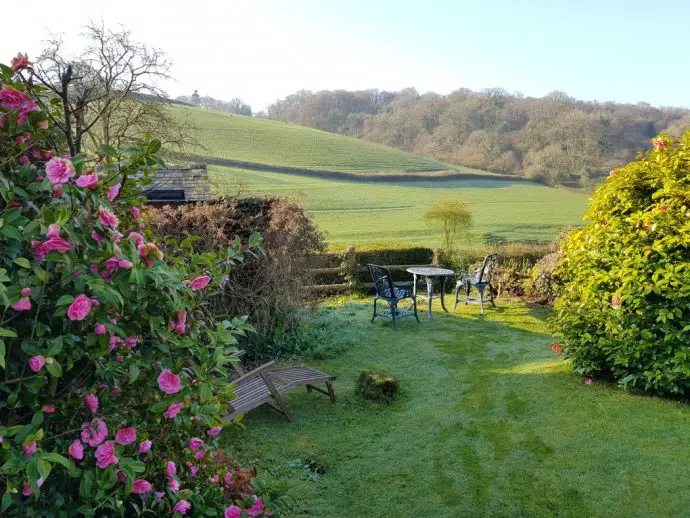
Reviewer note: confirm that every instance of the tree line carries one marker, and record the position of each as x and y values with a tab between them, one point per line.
555	139
235	105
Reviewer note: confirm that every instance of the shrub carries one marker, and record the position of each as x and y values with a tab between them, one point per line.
624	308
376	386
110	377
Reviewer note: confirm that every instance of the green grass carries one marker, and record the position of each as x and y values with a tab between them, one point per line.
271	142
489	424
352	212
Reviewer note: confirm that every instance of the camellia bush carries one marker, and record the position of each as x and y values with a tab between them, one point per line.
112	380
624	306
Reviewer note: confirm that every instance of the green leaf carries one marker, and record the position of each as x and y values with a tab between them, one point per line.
64	300
23	262
7	333
108	150
11	232
6	501
54	368
133	373
57	459
2	354
44	468
206	392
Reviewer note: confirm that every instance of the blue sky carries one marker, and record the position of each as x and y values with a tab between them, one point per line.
262	50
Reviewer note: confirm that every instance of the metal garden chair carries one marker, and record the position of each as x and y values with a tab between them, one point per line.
480	279
392	293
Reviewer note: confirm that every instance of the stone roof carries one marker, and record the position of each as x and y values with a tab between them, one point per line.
179	185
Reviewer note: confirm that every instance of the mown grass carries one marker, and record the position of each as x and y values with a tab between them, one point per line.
352	212
490	423
264	141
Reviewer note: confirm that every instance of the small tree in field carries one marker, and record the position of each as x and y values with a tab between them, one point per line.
453	217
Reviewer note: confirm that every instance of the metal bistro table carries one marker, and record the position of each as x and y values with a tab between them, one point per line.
430	274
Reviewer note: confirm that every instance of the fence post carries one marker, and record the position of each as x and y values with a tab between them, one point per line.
436	260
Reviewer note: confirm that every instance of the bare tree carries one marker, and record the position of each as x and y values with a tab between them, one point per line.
98	87
240	107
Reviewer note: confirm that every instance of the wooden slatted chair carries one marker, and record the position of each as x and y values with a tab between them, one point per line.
266	385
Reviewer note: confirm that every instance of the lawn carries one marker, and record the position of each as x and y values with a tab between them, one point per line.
490	423
271	142
352	212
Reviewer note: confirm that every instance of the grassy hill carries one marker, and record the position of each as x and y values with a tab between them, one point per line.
355	212
264	141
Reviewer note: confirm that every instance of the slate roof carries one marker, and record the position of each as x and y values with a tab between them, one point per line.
179	185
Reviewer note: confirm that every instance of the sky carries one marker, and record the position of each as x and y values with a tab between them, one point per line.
263	50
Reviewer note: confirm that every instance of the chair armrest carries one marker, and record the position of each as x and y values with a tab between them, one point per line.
403	284
253	374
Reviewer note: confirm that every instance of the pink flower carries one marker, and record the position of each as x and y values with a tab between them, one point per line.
131	341
96	237
257	507
200	454
659	143
200	282
159	495
138	238
76	450
588	381
36	363
232	512
170	469
135	212
91	402
125	436
168	382
174	485
80	308
195	443
23	304
227	478
57	244
116	391
59	170
115	341
87	181
107	218
125	264
29	449
12	99
26	292
141	487
173	410
213	479
20	62
38	251
24	160
48	409
94	433
53	231
26	489
180	326
182	507
214	431
105	455
113	191
145	446
121	476
119	357
101	329
193	470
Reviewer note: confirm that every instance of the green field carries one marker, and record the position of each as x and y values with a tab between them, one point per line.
264	141
352	212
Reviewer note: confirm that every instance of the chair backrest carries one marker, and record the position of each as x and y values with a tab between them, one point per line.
484	273
383	282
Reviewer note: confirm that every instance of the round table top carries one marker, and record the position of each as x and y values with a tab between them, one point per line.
431	272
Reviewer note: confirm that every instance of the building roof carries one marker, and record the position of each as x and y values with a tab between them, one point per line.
179	185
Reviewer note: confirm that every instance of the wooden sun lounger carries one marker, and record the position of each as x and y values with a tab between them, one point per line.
266	385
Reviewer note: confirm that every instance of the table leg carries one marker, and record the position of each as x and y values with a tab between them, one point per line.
429	292
443	295
414	284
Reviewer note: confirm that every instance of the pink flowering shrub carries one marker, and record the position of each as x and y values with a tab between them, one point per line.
110	368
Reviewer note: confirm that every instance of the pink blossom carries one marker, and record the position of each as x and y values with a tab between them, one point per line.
131	341
173	410
36	363
76	450
38	251
116	391
141	487
12	99
174	485
97	237
168	382
80	308
170	469
29	449
121	476
180	326
94	433
24	160
26	489
53	231
57	192
125	436
101	329
23	304
26	292
20	62
135	212
214	431
659	143
119	357
232	512
145	446
107	218
91	402
214	479
193	470
57	244
227	478
200	282
257	507
87	181
588	381
48	409
182	507
200	454
113	191
138	238
115	341
125	264
195	443
105	455
59	170
159	495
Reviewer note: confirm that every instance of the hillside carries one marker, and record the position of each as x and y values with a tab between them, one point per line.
263	141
